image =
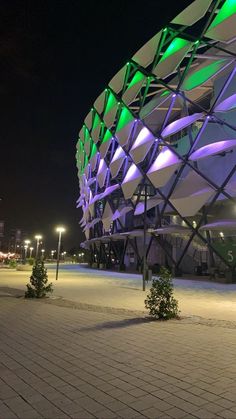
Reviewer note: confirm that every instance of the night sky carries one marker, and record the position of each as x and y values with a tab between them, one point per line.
56	58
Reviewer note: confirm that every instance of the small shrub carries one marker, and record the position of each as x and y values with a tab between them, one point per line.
160	301
12	263
30	261
38	287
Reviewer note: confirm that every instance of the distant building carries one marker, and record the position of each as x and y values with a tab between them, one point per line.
156	155
15	240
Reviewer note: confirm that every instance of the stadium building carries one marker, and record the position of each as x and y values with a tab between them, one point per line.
156	155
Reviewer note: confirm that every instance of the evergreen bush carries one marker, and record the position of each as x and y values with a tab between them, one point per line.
30	261
12	263
38	287
160	301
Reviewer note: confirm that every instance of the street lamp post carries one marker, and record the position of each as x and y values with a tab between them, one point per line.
27	242
59	230
31	250
52	253
26	248
37	237
42	251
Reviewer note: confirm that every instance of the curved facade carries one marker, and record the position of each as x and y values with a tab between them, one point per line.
156	155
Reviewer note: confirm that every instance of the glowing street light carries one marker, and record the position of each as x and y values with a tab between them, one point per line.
52	253
27	242
59	230
42	251
25	247
31	250
37	237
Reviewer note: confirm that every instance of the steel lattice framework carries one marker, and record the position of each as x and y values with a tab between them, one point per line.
156	154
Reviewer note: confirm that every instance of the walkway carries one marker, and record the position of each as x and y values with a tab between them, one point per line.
58	362
90	351
122	290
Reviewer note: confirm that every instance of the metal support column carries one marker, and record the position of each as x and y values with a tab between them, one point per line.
144	240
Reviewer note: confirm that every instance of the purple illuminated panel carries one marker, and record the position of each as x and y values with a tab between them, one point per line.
118	213
181	124
95	221
144	136
109	190
172	229
131	181
95	198
165	158
119	153
132	174
102	166
220	225
227	104
152	202
212	149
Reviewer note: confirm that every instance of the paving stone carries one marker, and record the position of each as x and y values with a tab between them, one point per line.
90	405
29	414
6	413
227	414
82	414
154	413
106	414
176	413
137	392
115	406
204	414
129	413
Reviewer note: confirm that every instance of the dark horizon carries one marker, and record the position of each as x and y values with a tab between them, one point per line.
56	58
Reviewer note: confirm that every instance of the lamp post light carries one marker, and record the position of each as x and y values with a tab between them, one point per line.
37	237
31	250
26	248
52	253
42	251
59	230
27	242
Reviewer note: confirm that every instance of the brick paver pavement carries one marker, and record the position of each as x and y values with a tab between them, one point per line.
61	362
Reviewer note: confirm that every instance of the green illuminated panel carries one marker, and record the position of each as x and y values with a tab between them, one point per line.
80	148
125	117
86	133
77	156
78	144
102	129
93	151
165	93
176	45
111	103
85	162
228	9
96	121
202	75
136	79
107	136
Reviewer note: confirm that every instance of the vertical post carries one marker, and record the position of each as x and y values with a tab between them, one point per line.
26	247
37	249
38	237
58	253
144	240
